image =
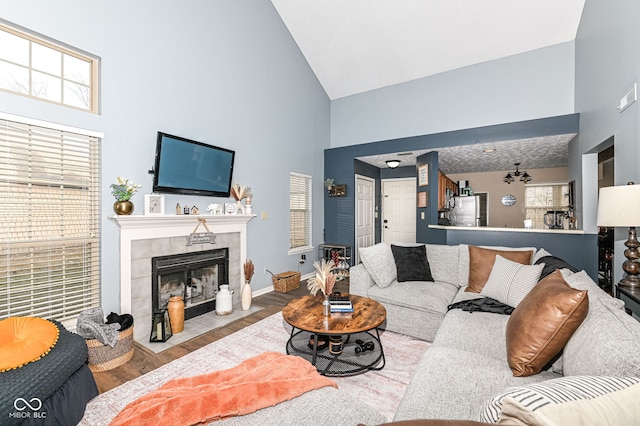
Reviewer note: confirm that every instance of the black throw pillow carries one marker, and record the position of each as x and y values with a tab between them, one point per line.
411	263
551	263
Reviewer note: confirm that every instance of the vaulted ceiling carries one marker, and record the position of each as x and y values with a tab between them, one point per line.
354	46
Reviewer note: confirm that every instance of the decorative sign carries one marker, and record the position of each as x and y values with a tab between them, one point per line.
422	199
201	237
423	175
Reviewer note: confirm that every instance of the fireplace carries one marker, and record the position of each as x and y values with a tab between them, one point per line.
195	276
143	237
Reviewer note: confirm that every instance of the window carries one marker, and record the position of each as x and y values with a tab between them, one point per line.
49	220
539	199
46	70
299	213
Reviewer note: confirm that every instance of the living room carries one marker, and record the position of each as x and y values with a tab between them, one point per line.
229	73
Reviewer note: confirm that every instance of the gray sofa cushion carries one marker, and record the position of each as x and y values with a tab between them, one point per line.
479	332
607	343
453	384
419	295
378	259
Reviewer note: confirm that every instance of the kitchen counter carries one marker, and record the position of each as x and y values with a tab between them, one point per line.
486	228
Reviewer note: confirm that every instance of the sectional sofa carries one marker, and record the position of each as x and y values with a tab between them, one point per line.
567	343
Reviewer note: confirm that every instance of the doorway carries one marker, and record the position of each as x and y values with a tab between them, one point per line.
399	210
365	216
605	235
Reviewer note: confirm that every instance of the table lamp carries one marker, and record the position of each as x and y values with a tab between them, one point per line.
620	206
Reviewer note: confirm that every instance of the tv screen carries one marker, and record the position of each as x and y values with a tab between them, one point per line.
184	166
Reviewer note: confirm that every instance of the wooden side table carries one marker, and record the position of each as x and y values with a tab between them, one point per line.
306	318
631	298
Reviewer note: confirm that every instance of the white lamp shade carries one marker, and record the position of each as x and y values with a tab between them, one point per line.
619	206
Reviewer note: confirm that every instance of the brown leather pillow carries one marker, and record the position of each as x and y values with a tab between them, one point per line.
542	324
481	262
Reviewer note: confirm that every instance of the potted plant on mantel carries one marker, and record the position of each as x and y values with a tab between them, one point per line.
123	191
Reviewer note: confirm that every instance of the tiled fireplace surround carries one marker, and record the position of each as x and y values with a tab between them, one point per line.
144	237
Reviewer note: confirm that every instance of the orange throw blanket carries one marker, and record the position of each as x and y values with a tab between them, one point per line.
262	381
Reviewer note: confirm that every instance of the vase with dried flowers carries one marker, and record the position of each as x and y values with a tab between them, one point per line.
246	293
323	280
123	191
239	193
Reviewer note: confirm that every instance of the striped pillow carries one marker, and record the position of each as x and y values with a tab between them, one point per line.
509	282
542	398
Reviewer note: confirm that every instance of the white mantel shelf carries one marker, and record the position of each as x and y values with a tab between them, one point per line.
158	221
141	227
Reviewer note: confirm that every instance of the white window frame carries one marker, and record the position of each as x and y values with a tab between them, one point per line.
531	210
53	76
300	195
50	260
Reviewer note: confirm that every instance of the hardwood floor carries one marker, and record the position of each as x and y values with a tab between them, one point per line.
144	360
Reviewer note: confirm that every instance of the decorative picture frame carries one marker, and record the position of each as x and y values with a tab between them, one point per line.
423	175
423	200
229	208
153	204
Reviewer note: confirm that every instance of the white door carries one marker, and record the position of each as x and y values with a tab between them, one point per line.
365	230
399	210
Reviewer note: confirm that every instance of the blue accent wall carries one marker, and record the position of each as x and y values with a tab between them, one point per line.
341	164
579	250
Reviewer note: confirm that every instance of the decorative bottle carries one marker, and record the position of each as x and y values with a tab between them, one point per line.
326	307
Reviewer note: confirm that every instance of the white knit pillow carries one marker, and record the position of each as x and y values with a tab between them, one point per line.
509	282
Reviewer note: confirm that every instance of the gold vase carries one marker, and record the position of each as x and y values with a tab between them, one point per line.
123	207
175	308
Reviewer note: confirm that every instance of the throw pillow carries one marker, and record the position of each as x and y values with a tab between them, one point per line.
543	322
481	262
509	282
566	401
378	259
411	263
24	340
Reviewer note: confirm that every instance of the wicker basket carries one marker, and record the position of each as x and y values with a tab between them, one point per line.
285	282
104	357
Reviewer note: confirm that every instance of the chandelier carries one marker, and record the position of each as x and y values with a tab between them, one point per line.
524	176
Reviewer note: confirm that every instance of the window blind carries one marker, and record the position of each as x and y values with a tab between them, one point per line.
50	221
299	211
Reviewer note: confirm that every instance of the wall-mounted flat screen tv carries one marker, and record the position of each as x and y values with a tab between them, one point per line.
185	166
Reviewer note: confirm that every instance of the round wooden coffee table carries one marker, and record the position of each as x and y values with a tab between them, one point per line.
361	348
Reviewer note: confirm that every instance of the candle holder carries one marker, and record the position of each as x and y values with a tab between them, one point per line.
160	326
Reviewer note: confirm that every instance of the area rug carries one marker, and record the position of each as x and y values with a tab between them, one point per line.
382	390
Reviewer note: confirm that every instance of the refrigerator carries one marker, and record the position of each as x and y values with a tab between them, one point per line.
465	211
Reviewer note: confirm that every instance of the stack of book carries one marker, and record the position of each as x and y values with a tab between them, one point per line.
340	305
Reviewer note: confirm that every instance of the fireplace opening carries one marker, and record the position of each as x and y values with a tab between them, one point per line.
194	276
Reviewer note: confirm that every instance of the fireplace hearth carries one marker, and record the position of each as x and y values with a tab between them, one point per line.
194	276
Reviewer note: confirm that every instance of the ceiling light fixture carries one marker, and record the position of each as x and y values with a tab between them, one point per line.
392	164
524	176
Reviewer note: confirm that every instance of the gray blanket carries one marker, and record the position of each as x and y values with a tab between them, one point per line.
91	325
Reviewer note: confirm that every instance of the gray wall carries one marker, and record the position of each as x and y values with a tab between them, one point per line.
224	72
607	66
522	87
